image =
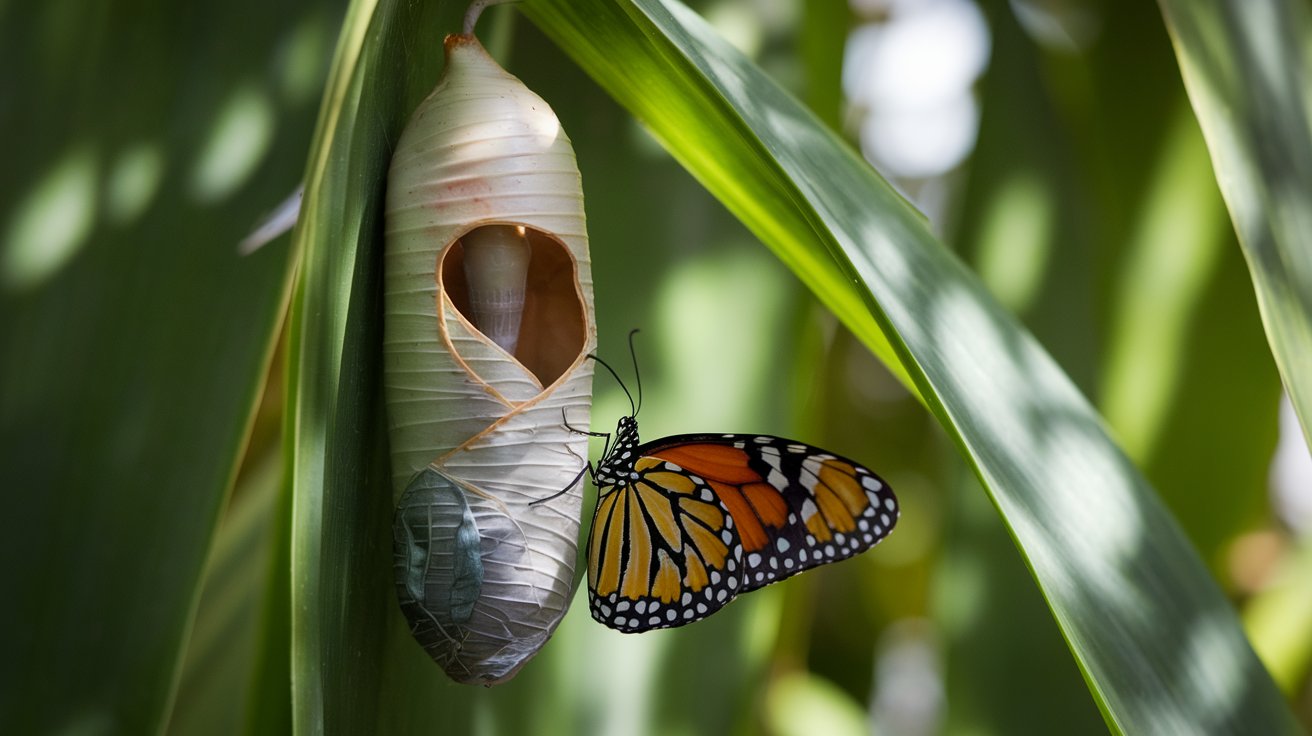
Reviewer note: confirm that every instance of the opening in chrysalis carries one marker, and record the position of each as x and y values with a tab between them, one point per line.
519	287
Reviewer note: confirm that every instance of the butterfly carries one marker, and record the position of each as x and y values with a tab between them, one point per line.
686	523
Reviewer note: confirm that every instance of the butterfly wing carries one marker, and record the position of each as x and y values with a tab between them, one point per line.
783	507
662	551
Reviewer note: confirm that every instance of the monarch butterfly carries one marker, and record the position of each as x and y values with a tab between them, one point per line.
685	523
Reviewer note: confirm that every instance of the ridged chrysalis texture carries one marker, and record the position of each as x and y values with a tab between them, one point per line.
489	318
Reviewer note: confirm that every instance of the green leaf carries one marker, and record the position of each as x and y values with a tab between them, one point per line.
133	337
1246	67
1158	644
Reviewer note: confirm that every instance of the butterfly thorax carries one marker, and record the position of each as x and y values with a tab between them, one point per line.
617	466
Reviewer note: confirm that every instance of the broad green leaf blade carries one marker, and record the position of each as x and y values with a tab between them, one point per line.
1246	66
133	337
1159	645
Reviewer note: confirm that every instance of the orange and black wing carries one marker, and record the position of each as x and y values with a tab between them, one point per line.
712	516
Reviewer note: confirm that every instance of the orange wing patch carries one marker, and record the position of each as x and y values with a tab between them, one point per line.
724	463
637	576
840	478
711	547
768	503
753	503
611	520
662	513
666	586
815	523
673	482
695	578
833	510
750	530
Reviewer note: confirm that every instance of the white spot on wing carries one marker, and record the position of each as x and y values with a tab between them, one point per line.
808	510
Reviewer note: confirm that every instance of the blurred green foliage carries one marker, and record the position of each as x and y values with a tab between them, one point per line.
149	579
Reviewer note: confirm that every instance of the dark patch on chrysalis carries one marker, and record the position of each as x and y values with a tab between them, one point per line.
437	562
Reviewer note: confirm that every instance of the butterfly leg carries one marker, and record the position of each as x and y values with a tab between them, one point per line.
605	450
586	469
565	420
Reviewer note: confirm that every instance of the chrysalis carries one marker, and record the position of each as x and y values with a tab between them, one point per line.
489	318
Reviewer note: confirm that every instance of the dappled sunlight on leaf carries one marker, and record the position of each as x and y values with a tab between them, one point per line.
242	131
1015	240
134	180
1174	252
50	224
301	59
802	704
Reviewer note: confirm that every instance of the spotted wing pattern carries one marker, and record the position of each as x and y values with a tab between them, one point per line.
702	518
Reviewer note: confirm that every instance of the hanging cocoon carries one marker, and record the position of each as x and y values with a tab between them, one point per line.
489	319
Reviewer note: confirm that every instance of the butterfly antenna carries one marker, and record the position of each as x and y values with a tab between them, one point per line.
637	377
632	407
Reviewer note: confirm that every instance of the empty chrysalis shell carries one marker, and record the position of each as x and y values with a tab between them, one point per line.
489	319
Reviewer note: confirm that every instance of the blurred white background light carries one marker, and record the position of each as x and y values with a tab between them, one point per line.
909	80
